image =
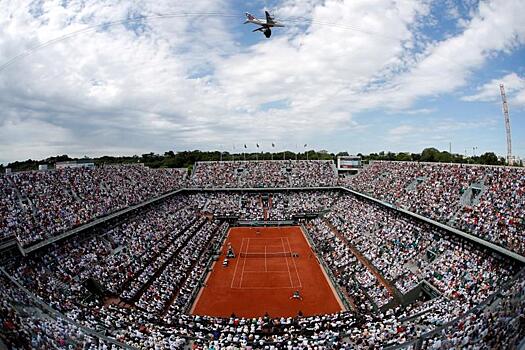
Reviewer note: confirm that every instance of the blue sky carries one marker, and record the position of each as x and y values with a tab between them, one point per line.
356	76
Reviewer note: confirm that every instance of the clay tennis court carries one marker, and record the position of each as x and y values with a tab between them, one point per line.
263	276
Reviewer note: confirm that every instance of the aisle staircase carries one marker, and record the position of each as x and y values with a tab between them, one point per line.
472	194
23	201
416	182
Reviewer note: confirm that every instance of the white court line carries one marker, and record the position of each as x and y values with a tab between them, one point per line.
288	266
295	265
244	263
236	264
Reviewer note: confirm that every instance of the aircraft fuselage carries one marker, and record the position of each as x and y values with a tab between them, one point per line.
264	23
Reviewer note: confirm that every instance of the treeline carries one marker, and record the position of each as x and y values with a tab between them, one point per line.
170	159
434	155
186	159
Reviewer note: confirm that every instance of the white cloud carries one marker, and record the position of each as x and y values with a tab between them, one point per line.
30	136
401	130
193	81
443	129
497	27
418	111
490	92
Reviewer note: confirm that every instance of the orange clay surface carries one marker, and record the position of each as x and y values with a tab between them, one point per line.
250	287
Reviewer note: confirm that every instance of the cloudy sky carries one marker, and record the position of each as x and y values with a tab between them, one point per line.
124	77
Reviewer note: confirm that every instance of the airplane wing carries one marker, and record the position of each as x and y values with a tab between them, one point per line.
269	19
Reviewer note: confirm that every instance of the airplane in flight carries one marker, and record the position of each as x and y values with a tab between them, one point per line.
264	25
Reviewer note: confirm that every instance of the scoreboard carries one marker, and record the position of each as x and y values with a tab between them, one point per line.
348	162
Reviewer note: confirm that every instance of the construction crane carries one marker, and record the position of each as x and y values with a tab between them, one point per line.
510	159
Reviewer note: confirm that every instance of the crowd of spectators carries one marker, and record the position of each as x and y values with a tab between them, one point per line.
153	263
285	205
9	209
159	295
145	241
164	258
25	325
499	214
486	201
401	249
498	325
483	200
362	288
391	242
264	206
266	174
37	205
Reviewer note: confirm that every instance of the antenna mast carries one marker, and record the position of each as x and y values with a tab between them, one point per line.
510	160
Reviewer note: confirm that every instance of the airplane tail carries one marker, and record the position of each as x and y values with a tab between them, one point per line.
249	17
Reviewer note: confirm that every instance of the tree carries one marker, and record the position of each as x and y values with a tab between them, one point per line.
403	157
489	158
373	156
444	157
430	155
